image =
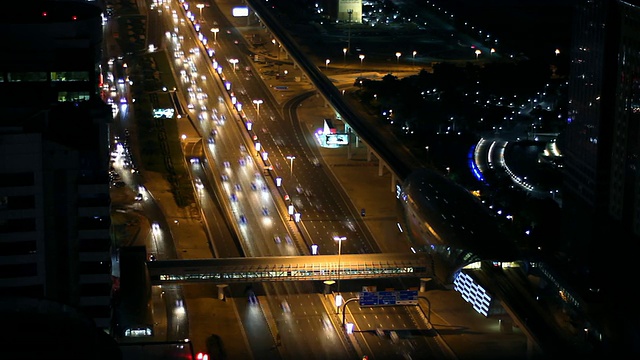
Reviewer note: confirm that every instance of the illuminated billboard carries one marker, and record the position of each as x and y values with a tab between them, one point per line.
336	139
240	11
350	10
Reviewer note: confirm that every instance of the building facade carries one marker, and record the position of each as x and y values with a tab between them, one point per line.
54	143
601	146
602	139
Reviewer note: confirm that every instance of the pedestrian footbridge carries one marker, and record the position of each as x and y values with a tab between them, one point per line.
290	268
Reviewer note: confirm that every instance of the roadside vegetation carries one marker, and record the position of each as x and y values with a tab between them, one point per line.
158	138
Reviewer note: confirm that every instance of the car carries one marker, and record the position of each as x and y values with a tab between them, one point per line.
152	257
253	299
265	211
243	219
139	197
234	197
277	239
285	306
155	227
199	184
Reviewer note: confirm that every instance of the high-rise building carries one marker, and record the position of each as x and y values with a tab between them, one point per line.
54	145
601	146
602	138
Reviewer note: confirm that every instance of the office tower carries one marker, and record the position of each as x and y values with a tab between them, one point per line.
601	145
602	138
54	143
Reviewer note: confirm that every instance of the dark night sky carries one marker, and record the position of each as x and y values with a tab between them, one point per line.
523	25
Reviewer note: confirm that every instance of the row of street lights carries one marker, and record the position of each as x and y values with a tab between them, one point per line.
361	57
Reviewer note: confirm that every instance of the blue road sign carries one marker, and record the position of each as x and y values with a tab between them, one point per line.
379	298
368	298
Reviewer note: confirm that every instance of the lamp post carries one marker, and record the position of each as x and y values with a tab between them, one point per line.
398	54
478	52
183	139
557	52
200	6
273	41
350	12
326	64
258	102
414	57
339	239
215	32
361	59
344	51
234	62
291	158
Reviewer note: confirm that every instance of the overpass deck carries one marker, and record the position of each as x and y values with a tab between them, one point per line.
290	268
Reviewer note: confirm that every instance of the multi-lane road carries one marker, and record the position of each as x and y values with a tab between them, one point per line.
232	184
245	212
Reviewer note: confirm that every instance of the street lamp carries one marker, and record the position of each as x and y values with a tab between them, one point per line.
183	139
339	239
215	32
234	62
258	102
200	6
361	59
557	52
326	64
414	57
344	51
478	52
398	54
273	41
291	158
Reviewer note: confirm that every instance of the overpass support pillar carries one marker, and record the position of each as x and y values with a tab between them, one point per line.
380	168
393	182
221	291
506	326
425	284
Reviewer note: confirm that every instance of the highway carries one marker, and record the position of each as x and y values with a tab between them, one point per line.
326	210
230	173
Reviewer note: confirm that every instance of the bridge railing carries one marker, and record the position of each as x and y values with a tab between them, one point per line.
289	268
